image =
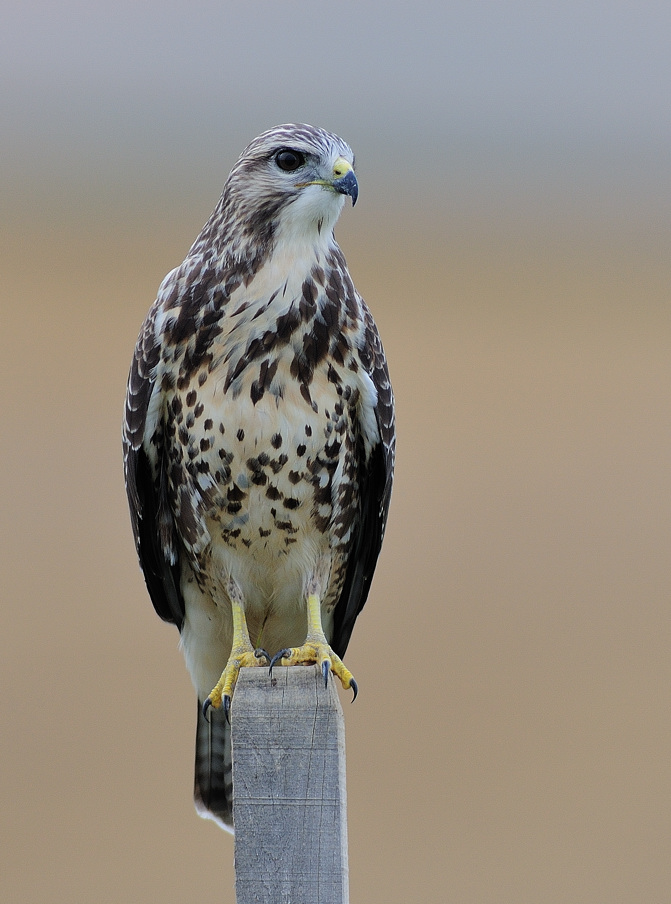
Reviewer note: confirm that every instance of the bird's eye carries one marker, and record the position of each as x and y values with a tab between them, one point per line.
289	160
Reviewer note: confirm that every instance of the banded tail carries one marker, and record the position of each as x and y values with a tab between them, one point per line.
213	786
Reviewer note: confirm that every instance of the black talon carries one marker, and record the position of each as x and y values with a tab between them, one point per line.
326	668
206	706
355	688
259	652
276	658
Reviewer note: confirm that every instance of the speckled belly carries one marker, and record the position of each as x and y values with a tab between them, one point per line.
269	473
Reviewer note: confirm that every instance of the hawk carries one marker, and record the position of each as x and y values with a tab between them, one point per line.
259	436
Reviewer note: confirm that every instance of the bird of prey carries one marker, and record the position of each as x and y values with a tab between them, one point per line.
259	436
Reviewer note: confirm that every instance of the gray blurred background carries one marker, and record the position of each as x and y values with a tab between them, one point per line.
512	737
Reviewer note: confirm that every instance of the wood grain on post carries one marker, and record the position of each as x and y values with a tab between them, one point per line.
289	804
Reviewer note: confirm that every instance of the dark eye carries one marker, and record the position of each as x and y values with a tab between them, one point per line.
288	160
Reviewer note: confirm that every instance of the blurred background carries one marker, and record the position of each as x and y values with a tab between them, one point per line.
512	736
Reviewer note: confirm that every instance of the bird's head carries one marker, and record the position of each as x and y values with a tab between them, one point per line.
291	181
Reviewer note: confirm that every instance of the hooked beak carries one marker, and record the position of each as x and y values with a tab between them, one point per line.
344	181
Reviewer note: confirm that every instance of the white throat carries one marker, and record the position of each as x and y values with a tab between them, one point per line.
310	219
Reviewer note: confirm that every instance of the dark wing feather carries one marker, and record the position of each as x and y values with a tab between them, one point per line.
144	488
375	486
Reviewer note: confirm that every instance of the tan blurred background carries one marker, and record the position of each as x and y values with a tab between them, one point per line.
512	738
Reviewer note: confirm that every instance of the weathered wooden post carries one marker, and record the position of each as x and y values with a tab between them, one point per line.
290	808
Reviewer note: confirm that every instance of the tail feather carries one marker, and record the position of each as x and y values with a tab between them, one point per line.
213	787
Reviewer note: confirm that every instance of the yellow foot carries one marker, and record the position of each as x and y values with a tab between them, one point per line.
222	692
317	652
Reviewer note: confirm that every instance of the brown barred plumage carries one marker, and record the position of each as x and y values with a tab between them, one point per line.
259	426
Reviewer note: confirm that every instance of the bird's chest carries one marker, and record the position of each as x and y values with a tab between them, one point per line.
268	462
